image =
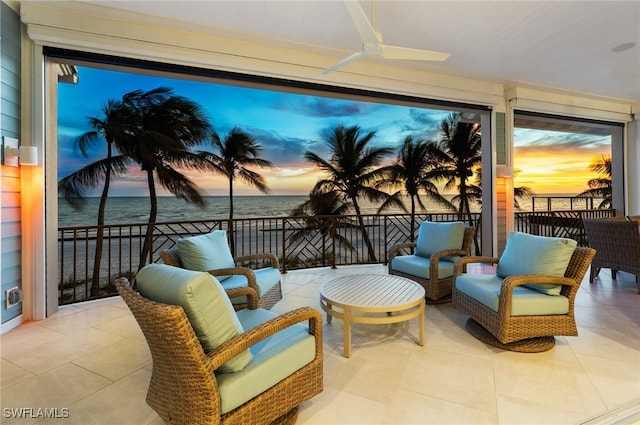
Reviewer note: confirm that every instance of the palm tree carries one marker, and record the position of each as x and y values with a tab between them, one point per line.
600	186
521	192
351	171
319	213
410	172
73	188
457	156
165	127
237	151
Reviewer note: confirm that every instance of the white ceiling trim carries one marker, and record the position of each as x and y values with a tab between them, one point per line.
568	105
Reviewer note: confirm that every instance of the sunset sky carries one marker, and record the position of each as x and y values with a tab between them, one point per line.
286	125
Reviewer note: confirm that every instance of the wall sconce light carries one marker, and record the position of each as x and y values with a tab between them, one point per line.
11	152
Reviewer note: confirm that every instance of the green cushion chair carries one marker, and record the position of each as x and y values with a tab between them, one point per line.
438	246
213	365
210	252
530	297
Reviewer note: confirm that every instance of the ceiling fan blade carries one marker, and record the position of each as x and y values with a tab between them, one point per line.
362	23
408	53
345	61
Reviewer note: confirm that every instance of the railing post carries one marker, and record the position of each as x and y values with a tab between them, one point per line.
284	246
334	225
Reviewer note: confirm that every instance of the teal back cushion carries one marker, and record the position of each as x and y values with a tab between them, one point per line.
206	252
527	254
204	301
439	236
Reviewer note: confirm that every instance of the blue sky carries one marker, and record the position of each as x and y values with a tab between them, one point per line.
286	125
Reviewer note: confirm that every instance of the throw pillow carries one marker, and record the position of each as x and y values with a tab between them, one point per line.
204	301
439	236
527	254
206	252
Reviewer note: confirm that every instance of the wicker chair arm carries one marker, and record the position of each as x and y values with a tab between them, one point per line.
506	291
252	296
251	278
436	256
265	256
396	248
239	343
462	262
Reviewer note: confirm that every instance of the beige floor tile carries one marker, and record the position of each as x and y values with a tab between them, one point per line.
84	319
11	374
610	344
122	403
408	407
118	360
541	380
516	411
458	378
365	370
57	388
454	338
125	326
25	338
617	381
334	407
52	354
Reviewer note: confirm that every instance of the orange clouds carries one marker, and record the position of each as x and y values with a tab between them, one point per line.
554	171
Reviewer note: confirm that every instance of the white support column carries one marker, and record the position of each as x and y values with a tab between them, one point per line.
33	217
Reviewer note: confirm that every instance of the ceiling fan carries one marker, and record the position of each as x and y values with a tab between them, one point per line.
372	44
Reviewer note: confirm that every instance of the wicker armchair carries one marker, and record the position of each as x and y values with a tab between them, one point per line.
523	333
617	242
184	386
267	300
437	290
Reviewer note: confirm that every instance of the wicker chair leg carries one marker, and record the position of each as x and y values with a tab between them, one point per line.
593	273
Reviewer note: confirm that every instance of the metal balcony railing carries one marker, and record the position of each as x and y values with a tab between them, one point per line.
298	242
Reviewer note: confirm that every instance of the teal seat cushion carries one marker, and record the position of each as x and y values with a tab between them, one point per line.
418	266
527	254
266	279
485	288
439	236
204	301
274	359
206	252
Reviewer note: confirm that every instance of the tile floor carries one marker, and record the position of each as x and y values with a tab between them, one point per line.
90	361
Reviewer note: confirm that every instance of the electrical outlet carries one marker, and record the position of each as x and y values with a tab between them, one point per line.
14	296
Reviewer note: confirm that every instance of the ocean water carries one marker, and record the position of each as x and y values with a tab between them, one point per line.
136	209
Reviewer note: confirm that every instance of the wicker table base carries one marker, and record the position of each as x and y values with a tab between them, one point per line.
531	345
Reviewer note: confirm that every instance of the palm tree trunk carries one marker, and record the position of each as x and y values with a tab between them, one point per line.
97	260
232	242
363	230
153	213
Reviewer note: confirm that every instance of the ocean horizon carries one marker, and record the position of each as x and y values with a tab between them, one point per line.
135	209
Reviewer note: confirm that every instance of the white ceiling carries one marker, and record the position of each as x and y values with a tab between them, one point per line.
559	44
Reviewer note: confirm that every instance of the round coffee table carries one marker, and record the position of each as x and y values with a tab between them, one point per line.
358	297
